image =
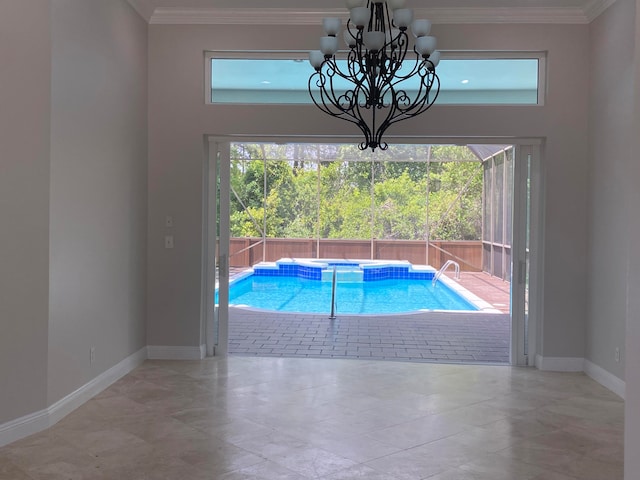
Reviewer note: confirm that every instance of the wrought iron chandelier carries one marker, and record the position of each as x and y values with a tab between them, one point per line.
378	84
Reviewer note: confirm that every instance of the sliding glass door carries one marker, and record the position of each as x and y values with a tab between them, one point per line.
268	201
215	307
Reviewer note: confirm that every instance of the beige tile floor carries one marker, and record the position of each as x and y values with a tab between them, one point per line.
295	419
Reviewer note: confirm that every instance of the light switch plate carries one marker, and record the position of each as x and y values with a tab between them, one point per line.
168	241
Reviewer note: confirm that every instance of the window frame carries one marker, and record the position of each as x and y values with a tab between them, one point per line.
541	56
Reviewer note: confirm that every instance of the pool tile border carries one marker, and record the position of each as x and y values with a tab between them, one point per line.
372	270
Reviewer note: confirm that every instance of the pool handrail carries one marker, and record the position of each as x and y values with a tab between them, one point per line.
446	265
332	316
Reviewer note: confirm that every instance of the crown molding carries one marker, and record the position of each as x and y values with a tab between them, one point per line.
595	7
140	7
242	16
280	16
556	15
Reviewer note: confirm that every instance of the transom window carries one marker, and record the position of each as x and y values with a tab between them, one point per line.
464	80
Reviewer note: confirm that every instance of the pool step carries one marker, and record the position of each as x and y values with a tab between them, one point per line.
343	276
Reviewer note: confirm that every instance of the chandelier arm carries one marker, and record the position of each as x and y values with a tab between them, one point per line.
427	76
328	100
393	109
358	91
416	68
424	98
354	55
348	117
415	108
332	109
398	55
332	64
364	127
375	20
374	81
420	64
357	79
352	63
397	113
381	129
333	69
352	114
387	20
353	94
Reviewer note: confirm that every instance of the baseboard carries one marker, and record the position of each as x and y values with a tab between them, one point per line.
68	404
38	421
23	427
575	364
605	378
161	352
560	364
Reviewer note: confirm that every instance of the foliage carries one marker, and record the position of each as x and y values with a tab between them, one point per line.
333	184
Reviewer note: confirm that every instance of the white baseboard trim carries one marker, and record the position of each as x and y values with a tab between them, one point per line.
23	427
35	422
68	404
560	364
161	352
605	378
575	364
38	421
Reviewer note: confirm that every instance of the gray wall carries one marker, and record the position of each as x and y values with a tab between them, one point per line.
632	374
178	119
613	318
25	73
73	160
611	115
98	190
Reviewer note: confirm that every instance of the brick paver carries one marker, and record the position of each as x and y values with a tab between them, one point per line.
421	337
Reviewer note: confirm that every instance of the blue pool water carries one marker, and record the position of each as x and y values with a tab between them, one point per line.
295	294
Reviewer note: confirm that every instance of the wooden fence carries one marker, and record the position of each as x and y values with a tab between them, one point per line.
246	252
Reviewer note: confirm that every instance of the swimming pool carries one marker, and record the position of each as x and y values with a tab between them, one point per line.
362	288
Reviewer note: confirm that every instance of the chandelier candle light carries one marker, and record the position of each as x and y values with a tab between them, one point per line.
379	85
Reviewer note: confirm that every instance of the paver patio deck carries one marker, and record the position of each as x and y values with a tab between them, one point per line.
493	290
420	337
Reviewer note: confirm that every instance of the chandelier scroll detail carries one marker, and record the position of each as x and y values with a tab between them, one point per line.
383	79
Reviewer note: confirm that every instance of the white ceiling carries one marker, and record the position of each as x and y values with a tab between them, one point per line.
309	12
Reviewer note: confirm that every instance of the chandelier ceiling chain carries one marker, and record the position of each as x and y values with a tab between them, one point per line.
376	84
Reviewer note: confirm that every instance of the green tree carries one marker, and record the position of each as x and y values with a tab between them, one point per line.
346	173
401	208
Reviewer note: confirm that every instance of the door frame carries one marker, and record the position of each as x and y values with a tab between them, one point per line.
215	322
527	167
